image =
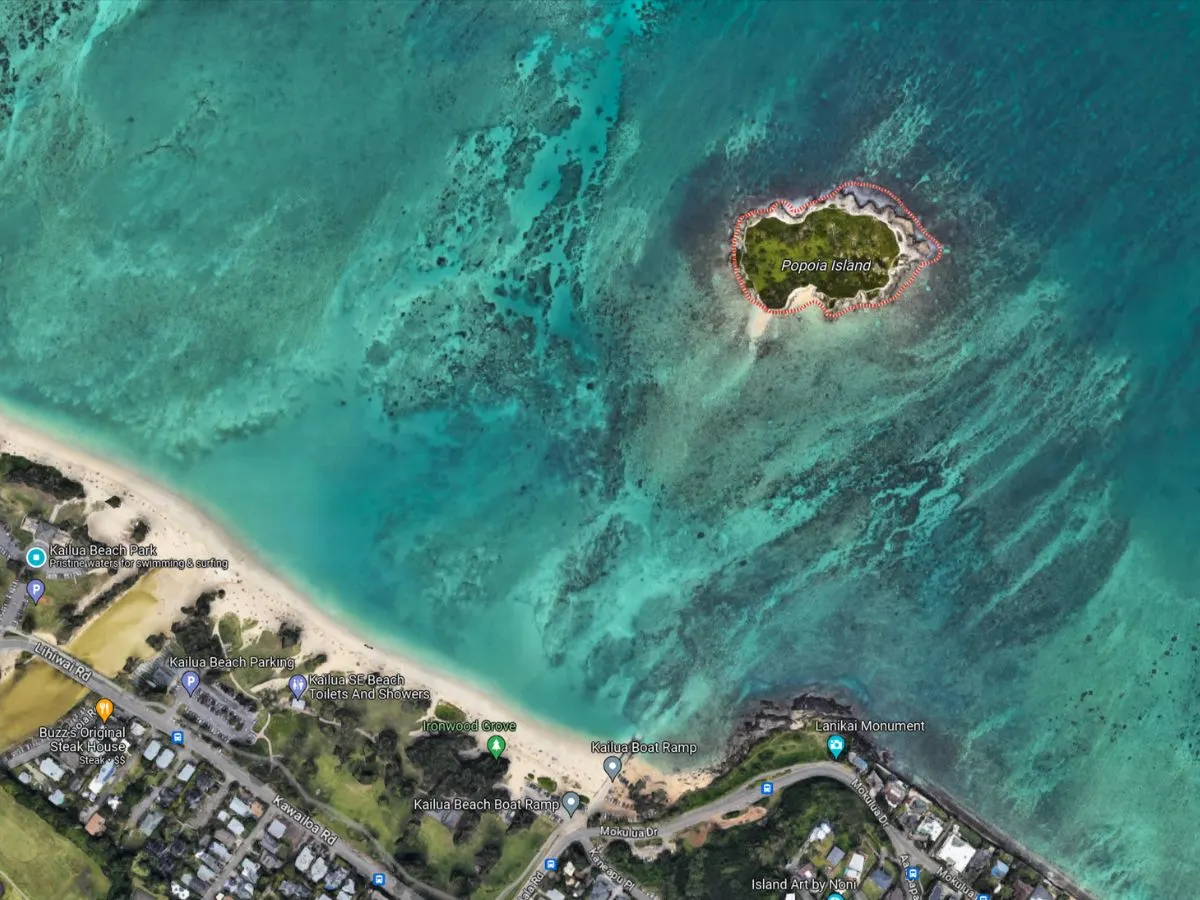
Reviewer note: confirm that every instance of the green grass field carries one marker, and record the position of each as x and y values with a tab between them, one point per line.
448	712
444	858
62	593
308	751
18	501
40	862
518	849
371	805
825	235
265	644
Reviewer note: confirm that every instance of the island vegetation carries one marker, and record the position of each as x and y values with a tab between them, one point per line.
709	860
836	252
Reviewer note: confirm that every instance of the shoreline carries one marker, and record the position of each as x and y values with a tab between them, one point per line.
876	201
256	591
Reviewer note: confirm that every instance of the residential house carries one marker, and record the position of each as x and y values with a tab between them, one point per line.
931	828
106	772
875	783
819	833
835	857
881	880
956	853
895	793
303	860
854	868
149	822
917	803
316	872
51	769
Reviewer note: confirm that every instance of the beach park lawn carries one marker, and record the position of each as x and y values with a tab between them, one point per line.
517	848
18	501
63	595
341	768
263	644
373	781
39	861
447	861
823	236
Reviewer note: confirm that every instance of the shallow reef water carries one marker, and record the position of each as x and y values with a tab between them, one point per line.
431	304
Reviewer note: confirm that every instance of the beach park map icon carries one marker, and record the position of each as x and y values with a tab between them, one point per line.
617	449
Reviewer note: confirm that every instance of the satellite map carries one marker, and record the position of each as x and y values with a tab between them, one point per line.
599	449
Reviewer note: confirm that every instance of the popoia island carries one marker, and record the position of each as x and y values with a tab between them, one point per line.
857	246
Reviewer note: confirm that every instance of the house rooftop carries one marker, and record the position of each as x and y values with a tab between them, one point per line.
956	852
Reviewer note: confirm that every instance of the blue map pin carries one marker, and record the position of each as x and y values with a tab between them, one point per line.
35	589
298	684
836	745
570	802
35	557
190	681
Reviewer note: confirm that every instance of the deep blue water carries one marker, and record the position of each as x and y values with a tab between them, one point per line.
430	303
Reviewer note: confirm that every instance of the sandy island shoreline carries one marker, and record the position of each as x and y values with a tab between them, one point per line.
254	591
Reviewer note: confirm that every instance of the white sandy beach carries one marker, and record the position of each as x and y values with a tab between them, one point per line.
253	591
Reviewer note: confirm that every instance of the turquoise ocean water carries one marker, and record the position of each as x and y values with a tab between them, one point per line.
429	302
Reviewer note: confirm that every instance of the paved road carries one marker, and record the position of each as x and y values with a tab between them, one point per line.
27	753
235	859
739	799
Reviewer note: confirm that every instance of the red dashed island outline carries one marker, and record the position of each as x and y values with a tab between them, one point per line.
797	211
